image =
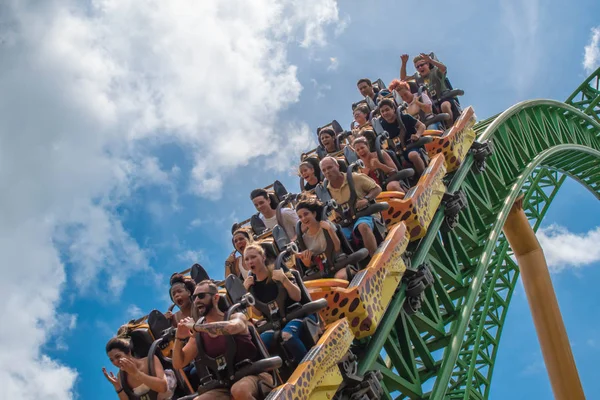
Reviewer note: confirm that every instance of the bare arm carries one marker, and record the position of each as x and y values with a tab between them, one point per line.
156	383
420	128
404	59
236	325
387	160
122	394
183	355
292	289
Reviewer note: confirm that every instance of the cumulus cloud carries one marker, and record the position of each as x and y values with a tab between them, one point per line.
334	63
564	249
90	93
591	55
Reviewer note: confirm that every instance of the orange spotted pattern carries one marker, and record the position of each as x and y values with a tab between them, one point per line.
318	373
456	142
364	300
418	206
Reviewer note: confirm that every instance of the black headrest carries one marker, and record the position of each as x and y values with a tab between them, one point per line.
141	340
223	304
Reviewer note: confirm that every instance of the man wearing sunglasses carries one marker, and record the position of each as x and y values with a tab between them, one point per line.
432	74
213	333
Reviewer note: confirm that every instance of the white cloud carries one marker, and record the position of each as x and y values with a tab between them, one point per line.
133	311
191	256
90	93
334	63
564	249
591	56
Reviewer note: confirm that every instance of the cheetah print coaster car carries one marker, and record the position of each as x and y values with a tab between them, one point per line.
318	375
419	205
364	300
455	143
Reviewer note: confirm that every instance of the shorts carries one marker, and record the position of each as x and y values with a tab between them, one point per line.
362	220
247	384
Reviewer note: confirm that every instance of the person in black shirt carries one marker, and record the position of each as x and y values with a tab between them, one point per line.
310	173
263	283
406	131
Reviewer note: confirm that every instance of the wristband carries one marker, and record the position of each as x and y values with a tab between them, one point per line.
119	391
183	340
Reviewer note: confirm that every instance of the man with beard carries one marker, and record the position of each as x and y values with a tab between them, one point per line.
211	333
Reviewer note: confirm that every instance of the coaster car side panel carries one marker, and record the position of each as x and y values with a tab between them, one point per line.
455	143
318	375
417	207
365	299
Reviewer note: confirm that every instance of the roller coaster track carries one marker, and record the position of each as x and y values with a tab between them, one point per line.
448	349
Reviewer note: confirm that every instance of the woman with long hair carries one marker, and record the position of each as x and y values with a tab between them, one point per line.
235	264
134	378
310	173
374	168
263	283
309	212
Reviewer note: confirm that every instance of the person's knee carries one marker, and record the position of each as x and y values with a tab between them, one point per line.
364	229
243	390
341	274
414	157
286	336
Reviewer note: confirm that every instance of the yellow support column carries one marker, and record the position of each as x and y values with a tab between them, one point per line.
549	325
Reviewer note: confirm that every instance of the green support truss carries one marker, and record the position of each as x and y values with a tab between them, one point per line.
447	350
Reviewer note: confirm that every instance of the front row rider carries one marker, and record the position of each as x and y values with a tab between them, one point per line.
212	329
134	378
366	191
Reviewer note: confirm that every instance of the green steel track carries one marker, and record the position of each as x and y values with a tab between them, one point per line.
448	349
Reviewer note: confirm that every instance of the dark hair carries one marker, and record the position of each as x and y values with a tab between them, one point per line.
214	289
259	192
328	131
119	343
178	278
363	108
368	81
312	204
386	102
363	140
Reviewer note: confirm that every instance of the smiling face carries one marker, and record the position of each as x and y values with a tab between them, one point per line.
365	89
422	67
180	295
240	241
254	260
307	217
406	95
204	299
262	204
360	117
115	356
388	113
307	172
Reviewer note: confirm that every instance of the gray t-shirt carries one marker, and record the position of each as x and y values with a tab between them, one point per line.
317	243
289	217
435	82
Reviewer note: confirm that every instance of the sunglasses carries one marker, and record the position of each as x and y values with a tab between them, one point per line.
202	295
421	65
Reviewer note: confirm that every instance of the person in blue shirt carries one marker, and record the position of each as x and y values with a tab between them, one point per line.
365	87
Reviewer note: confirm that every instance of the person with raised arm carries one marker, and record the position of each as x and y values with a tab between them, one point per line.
211	332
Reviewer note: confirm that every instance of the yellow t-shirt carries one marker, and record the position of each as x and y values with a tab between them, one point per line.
362	185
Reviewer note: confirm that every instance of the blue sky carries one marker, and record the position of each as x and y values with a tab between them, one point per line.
133	134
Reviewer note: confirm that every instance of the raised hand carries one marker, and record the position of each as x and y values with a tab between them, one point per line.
184	328
111	377
404	58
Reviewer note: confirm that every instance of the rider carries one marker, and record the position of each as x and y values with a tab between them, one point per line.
211	333
181	294
261	200
366	191
365	87
327	139
235	265
310	212
432	74
264	286
420	107
134	378
373	165
412	131
361	116
308	173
